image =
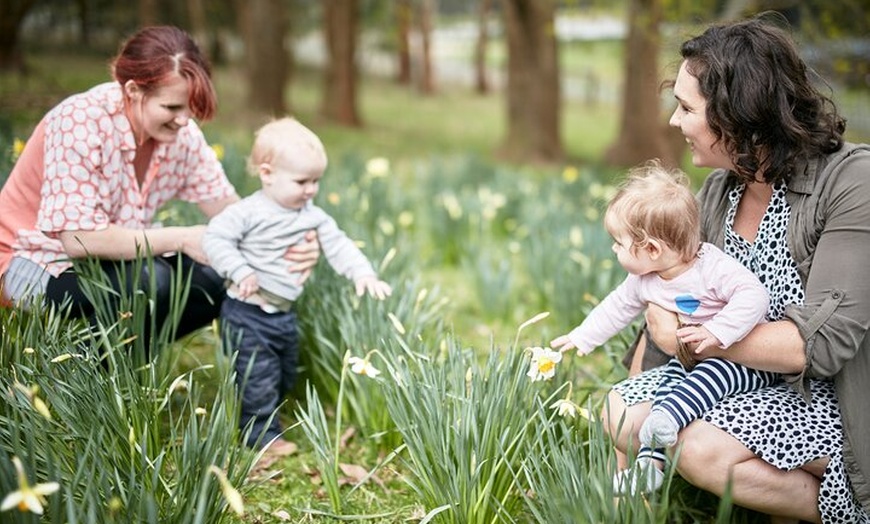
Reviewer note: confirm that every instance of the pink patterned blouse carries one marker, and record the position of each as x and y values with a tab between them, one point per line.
80	159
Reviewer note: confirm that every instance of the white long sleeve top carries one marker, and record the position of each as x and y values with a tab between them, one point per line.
717	292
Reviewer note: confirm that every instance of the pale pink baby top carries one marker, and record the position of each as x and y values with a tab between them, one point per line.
76	174
717	291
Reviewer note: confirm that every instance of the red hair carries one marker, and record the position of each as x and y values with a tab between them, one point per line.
153	54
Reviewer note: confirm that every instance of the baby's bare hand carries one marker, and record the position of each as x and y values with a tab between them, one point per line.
562	343
248	286
375	288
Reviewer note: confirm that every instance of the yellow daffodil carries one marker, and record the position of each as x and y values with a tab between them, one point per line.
570	174
115	504
17	148
362	366
543	364
27	498
218	151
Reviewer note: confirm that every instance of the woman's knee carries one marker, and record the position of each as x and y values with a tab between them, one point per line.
692	454
706	455
612	412
621	422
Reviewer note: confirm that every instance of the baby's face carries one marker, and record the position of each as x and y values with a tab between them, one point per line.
289	187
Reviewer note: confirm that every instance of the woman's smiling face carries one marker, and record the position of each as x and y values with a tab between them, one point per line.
690	117
161	113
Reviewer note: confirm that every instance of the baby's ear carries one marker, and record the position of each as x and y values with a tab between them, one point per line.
264	171
653	248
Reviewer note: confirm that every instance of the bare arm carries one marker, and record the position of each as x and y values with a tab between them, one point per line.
774	346
212	208
120	243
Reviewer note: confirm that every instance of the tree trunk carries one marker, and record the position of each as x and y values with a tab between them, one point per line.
533	93
341	18
266	59
642	135
147	12
403	46
84	19
12	13
481	82
198	24
427	73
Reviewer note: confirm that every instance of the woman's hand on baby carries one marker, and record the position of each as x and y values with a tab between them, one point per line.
376	288
662	326
190	243
699	337
304	256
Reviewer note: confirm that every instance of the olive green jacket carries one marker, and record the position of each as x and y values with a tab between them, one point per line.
829	239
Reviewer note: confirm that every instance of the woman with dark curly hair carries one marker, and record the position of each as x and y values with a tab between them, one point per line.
790	200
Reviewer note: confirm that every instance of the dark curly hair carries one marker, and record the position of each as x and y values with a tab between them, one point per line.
760	101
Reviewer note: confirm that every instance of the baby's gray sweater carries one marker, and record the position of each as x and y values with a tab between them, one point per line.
252	236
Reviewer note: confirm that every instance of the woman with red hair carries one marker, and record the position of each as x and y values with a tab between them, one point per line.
97	168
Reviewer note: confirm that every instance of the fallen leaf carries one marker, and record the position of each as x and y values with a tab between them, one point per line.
346	436
356	473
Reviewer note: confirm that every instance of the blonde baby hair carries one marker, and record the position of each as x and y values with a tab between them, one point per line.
287	143
656	203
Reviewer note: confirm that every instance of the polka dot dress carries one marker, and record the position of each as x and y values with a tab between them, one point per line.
775	423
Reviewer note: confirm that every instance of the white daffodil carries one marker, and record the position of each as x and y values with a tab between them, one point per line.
362	366
27	498
543	364
566	408
378	167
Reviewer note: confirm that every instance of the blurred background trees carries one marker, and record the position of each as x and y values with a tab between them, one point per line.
515	51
